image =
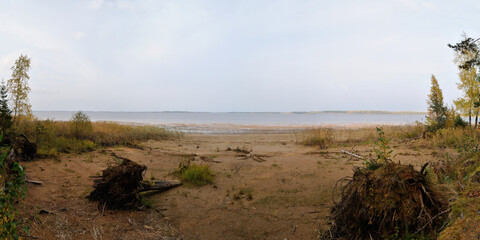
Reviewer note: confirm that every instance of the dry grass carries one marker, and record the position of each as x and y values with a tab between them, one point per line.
453	138
325	137
321	137
54	137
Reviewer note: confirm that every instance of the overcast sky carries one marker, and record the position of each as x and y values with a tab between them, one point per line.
235	55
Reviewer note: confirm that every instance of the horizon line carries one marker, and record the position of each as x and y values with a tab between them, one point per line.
255	112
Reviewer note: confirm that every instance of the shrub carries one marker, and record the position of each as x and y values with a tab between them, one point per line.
81	125
193	174
459	122
13	189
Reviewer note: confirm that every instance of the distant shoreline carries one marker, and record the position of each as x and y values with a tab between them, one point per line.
245	122
293	112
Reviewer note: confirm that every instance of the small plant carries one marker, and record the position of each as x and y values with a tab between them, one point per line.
246	193
193	174
382	152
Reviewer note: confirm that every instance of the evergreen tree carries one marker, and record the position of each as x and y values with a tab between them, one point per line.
437	111
18	87
5	112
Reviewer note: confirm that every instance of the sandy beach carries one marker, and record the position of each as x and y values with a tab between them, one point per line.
285	193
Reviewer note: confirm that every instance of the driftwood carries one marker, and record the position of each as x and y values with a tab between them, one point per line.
240	150
156	185
208	159
34	182
352	154
255	157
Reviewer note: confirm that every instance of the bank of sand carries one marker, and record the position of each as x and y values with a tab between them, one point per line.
291	191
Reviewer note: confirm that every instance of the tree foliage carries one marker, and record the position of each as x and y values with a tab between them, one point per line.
81	125
468	46
437	111
19	89
468	61
13	188
470	86
5	112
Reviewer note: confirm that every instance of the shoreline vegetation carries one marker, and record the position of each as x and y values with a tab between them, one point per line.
203	163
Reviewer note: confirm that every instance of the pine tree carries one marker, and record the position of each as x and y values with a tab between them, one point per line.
18	87
5	112
437	111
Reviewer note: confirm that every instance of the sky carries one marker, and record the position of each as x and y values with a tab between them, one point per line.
235	56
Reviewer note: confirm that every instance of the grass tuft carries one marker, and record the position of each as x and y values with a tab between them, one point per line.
193	174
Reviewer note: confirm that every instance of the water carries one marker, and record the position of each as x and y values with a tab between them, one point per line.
202	122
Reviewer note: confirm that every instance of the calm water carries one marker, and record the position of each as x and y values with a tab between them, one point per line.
240	122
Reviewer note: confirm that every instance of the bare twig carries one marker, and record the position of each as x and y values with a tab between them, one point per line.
103	209
352	154
423	168
431	219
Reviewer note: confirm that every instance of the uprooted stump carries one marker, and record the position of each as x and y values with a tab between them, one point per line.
119	186
393	199
25	148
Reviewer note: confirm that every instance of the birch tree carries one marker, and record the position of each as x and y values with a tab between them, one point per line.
19	89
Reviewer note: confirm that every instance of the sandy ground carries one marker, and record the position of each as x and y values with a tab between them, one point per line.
291	191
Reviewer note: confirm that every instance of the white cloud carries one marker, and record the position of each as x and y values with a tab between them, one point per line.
96	4
78	35
429	6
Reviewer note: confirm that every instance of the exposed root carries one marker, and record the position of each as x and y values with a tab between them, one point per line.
393	199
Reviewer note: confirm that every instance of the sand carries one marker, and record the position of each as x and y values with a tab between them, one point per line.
291	192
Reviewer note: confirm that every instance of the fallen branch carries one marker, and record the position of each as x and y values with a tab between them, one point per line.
208	159
118	156
255	157
159	186
34	182
352	154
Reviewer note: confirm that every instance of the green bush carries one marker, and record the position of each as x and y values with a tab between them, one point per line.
193	174
13	189
459	122
81	126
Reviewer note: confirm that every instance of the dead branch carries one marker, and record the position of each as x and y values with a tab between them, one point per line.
157	185
423	168
352	154
34	182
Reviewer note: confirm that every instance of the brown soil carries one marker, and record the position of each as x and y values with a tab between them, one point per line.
287	196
